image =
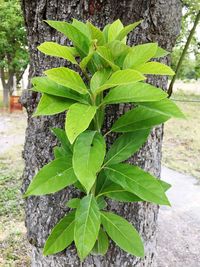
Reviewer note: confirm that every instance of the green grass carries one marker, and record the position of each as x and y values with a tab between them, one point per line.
13	244
181	146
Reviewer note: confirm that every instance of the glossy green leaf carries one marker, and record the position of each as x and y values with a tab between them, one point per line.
78	119
114	29
164	185
106	54
165	106
45	85
61	236
57	50
99	78
50	105
106	187
102	244
80	40
161	52
122	233
105	32
59	152
140	54
138	118
154	68
125	146
119	194
117	48
96	33
53	177
123	196
73	203
83	64
122	77
138	182
101	202
68	78
87	224
137	92
82	27
88	156
62	137
123	33
115	191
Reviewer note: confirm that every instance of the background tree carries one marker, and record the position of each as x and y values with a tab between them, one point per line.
189	68
161	23
13	51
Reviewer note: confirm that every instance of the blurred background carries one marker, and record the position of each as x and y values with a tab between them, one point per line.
181	146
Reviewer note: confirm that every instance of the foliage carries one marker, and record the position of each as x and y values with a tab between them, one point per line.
108	64
13	51
190	66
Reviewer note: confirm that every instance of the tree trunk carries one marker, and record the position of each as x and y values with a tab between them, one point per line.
7	86
161	23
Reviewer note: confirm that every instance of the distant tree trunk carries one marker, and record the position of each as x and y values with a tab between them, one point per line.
7	86
161	23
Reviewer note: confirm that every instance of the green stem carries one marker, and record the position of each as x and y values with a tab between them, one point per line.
170	90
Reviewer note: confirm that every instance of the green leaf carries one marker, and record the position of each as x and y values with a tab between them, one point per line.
140	54
102	244
73	203
154	68
101	202
61	236
121	77
50	105
137	92
122	233
125	146
123	196
117	48
115	191
56	50
45	85
59	152
82	27
96	33
79	40
138	118
68	78
118	193
62	137
138	182
165	106
106	54
87	224
83	64
78	119
161	52
114	29
99	78
123	33
53	177
89	152
164	185
106	187
105	32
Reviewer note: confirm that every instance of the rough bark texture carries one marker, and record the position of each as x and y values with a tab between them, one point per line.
161	24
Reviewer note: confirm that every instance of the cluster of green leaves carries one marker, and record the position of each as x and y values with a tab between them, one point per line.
82	159
13	43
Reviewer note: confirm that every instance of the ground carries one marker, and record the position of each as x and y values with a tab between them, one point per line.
13	245
178	226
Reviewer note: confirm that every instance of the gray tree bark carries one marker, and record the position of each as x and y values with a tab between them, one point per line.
161	23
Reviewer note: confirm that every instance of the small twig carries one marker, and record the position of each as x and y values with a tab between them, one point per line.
170	89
